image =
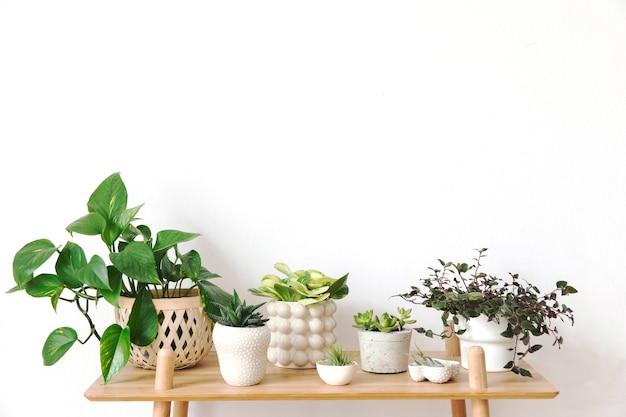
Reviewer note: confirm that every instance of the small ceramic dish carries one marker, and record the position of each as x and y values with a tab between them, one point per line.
436	374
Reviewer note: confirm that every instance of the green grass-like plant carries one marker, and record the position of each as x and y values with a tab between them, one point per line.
336	356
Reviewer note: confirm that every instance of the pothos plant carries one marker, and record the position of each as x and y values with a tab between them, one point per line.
137	264
303	286
464	290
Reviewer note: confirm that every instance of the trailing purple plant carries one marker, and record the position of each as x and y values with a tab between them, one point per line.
464	290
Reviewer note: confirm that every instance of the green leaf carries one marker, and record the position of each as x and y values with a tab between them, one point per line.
95	274
44	285
143	320
70	260
191	264
114	351
168	238
137	262
211	294
30	257
91	224
109	199
115	282
57	344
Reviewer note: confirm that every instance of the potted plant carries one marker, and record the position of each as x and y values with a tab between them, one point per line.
517	309
337	367
438	371
241	339
301	314
138	266
384	342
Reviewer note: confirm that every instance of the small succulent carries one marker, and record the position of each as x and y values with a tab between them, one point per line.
238	313
335	356
423	359
304	286
385	323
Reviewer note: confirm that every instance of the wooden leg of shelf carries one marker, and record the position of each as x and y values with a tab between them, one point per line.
478	379
458	408
163	380
181	408
453	349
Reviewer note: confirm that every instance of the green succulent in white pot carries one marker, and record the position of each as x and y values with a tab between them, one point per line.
134	264
301	314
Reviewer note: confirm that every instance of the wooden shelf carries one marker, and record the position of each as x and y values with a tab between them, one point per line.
204	383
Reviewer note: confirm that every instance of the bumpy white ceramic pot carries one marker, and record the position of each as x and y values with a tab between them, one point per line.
299	333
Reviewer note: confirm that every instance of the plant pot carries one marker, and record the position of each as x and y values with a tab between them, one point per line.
486	334
436	374
241	353
184	326
300	333
336	375
384	353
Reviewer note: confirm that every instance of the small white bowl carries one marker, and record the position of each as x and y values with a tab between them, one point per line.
336	375
436	374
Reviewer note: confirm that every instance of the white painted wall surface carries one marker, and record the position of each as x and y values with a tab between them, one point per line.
349	136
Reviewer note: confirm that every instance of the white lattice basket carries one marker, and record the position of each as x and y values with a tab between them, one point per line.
184	326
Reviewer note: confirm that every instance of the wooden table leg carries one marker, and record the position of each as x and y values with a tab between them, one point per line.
453	349
181	408
163	380
478	379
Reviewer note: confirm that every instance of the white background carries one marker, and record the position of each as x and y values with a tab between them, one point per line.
369	137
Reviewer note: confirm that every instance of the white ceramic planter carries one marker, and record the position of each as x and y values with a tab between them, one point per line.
384	353
241	353
436	374
486	334
336	375
300	333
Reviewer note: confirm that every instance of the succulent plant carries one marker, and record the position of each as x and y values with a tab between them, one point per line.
385	323
238	313
304	286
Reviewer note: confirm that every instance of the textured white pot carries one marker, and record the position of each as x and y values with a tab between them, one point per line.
241	353
486	334
300	333
385	353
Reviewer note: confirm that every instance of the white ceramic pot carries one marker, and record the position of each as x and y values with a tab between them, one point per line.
486	334
300	333
385	353
436	374
336	375
183	326
241	353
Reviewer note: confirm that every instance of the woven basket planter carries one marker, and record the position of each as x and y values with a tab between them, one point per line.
184	326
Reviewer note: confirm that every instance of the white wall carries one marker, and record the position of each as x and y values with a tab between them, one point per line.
349	136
